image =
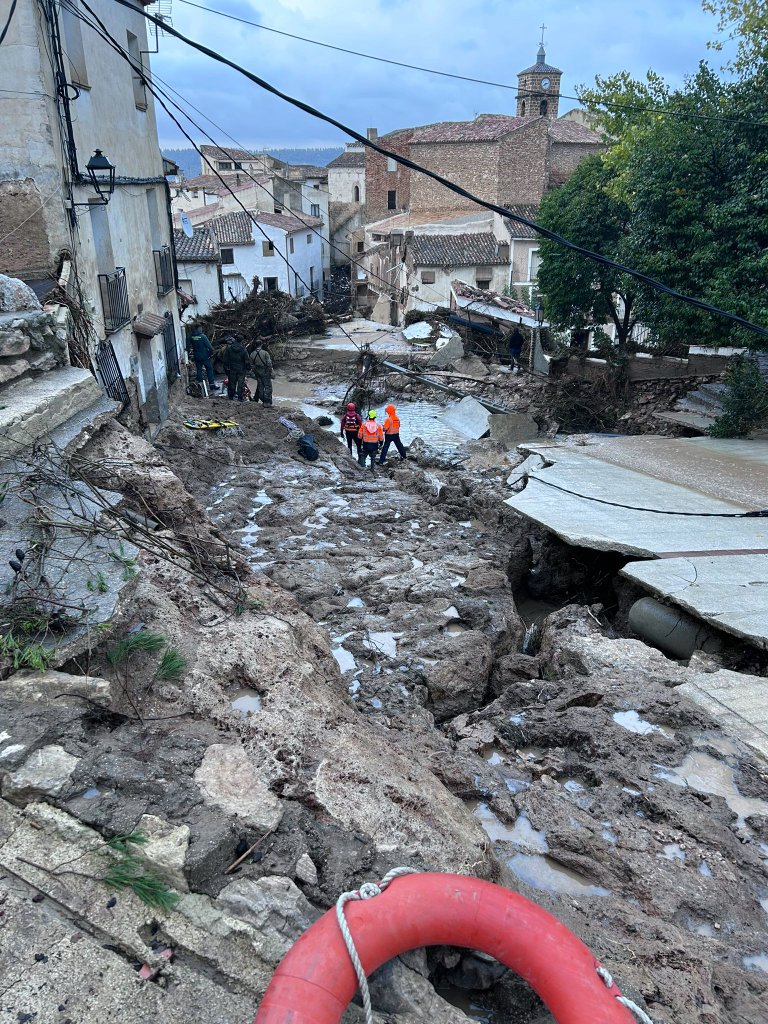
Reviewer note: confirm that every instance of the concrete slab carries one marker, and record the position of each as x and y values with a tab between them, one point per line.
512	428
468	417
561	497
737	701
731	590
33	408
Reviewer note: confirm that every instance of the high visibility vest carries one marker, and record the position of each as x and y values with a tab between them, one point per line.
392	424
371	431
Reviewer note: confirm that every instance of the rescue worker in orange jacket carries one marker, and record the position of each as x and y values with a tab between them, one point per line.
391	434
371	436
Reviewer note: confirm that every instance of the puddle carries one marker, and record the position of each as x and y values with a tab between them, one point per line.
541	872
517	719
703	928
672	851
382	643
757	962
719	743
356	602
454	628
527	837
91	794
376	703
246	701
495	829
705	870
354	687
344	658
705	774
462	1000
608	834
631	721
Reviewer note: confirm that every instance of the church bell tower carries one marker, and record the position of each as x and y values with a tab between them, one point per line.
538	87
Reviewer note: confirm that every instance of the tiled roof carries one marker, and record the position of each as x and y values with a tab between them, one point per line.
471	249
571	131
485	128
349	158
233	229
517	230
540	68
505	302
288	222
297	172
211	184
215	153
198	249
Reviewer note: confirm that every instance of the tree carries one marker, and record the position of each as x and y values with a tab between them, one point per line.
577	290
747	22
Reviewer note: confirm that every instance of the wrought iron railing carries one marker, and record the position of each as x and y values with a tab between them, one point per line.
163	270
171	350
114	299
109	371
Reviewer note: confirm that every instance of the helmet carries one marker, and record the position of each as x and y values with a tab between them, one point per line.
372	414
351	407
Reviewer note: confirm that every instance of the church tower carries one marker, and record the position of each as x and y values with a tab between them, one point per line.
538	87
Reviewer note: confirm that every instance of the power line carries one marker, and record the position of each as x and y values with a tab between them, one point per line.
468	78
553	236
8	21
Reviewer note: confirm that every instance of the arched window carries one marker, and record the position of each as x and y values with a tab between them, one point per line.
357	193
543	108
522	109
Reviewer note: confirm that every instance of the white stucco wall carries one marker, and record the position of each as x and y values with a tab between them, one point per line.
202	281
440	291
342	182
104	116
250	260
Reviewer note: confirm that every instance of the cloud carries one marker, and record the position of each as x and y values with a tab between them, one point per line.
489	39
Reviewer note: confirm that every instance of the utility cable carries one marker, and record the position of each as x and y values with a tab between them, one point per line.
760	514
110	40
553	236
477	81
8	21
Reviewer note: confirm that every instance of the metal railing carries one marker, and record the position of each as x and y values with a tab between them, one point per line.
163	270
172	369
109	371
114	299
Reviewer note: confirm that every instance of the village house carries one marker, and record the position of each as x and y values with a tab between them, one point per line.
228	160
346	188
83	187
201	283
266	251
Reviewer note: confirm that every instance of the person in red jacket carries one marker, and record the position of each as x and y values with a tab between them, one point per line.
391	434
371	435
351	422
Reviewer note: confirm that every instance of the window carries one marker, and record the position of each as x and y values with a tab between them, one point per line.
270	284
238	167
484	284
315	209
361	246
543	108
153	214
290	244
225	165
267	248
309	239
357	193
392	200
137	71
391	164
522	109
278	210
533	264
195	194
312	278
503	251
427	277
102	241
227	257
73	45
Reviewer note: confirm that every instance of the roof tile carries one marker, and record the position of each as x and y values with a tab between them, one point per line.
485	128
517	230
349	158
470	249
199	248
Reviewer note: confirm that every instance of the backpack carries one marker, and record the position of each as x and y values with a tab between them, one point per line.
308	448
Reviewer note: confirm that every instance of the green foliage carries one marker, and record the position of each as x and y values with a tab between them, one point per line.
25	655
98	584
122	843
747	22
622	105
172	667
143	640
128	563
126	871
745	403
577	291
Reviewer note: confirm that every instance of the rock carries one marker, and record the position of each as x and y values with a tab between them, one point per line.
275	905
512	668
468	417
471	366
16	296
460	679
306	871
445	357
229	781
512	428
45	687
166	850
13	341
12	369
46	772
486	580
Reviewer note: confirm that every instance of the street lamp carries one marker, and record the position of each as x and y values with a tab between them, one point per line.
102	175
539	314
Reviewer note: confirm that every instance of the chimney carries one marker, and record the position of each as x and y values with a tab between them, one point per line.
372	134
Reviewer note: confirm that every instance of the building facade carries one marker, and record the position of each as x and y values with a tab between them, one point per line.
201	283
346	211
64	95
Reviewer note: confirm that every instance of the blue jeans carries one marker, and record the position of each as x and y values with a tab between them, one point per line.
206	365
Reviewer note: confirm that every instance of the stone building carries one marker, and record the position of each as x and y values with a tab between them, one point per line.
67	102
346	191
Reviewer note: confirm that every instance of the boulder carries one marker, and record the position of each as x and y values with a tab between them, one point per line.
486	580
458	682
512	428
446	357
471	366
13	340
512	668
15	296
65	689
275	906
166	849
46	772
228	780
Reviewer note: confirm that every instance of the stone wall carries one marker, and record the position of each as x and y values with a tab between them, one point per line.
32	339
473	165
524	164
566	157
379	181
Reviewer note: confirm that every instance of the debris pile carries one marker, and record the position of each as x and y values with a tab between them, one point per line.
264	315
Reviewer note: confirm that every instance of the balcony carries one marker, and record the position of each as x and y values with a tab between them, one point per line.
163	270
114	299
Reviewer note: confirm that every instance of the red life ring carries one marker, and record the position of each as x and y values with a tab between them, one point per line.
316	980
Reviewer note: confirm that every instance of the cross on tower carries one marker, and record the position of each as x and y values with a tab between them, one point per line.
543	30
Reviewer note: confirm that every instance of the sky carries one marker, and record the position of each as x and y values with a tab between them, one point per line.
490	39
